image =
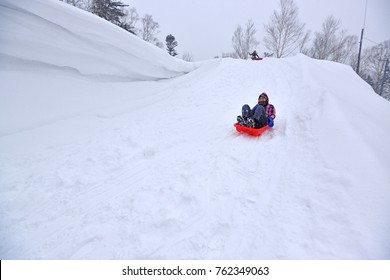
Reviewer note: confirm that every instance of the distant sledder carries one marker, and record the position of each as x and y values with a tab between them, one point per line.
256	120
254	55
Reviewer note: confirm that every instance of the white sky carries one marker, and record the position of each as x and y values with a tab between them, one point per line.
204	28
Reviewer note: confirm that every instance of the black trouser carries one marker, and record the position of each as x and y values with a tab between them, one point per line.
258	115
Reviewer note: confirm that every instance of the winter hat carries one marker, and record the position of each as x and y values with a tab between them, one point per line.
264	95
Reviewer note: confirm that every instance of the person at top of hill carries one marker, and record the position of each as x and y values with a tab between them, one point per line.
254	54
260	115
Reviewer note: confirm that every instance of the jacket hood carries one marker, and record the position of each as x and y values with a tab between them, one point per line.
264	95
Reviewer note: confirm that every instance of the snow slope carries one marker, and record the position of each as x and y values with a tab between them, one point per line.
104	159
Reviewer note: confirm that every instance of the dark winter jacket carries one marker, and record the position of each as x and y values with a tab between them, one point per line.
254	54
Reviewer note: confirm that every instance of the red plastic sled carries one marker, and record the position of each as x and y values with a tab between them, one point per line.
251	131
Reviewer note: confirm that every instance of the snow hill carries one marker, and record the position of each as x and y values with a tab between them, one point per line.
112	149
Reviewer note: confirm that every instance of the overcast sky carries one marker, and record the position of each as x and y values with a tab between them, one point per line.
204	28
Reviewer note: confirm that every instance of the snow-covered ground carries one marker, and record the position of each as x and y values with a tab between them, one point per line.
112	149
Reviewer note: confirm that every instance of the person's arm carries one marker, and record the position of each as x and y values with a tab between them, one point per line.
271	115
271	111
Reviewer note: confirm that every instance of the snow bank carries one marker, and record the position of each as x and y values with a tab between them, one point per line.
155	169
48	34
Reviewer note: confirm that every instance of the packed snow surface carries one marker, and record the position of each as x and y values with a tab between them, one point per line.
112	149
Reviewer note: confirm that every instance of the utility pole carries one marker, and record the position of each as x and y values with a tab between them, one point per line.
361	40
385	72
360	52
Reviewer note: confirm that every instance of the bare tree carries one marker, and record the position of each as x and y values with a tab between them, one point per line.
302	44
284	34
149	30
187	56
238	43
347	48
225	55
332	44
244	40
129	20
373	67
324	43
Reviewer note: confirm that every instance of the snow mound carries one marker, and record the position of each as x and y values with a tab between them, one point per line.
51	35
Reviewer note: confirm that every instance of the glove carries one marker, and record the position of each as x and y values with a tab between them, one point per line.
270	122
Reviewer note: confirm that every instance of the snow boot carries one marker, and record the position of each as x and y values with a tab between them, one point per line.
250	123
240	120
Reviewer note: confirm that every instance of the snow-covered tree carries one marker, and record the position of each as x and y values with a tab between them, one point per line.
244	40
171	44
284	33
